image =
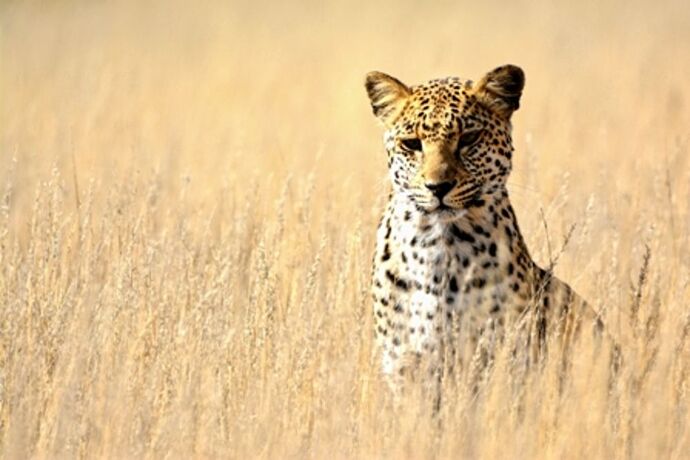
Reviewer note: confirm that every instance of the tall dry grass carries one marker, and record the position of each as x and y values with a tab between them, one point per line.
189	198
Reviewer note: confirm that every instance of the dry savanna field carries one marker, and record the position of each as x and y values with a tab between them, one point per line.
188	200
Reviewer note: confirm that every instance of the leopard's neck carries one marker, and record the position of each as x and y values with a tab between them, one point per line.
488	219
480	246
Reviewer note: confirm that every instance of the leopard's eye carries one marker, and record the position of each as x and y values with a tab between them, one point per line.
413	144
468	139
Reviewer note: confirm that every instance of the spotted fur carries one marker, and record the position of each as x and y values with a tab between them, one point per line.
449	249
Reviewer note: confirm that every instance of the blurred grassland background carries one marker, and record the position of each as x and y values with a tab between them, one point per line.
189	194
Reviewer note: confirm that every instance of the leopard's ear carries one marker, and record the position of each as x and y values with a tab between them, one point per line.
388	96
500	89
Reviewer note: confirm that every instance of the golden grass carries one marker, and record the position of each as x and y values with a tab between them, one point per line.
189	201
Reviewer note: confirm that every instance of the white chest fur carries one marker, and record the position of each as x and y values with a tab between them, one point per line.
429	271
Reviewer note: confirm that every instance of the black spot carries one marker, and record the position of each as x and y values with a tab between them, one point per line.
396	341
492	250
390	276
479	229
413	241
430	243
509	233
475	203
522	260
496	308
478	283
453	284
398	307
511	268
401	284
386	253
461	234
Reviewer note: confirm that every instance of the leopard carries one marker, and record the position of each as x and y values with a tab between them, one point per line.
450	263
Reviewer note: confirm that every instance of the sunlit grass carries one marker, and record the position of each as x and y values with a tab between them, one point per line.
189	196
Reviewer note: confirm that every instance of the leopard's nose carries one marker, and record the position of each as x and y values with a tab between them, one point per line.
441	189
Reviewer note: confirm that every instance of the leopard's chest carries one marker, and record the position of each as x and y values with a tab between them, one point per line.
426	275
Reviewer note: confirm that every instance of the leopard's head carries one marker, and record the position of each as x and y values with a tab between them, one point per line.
448	141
